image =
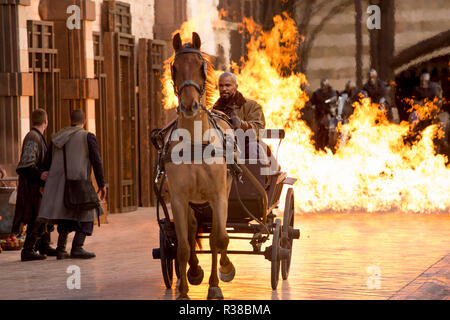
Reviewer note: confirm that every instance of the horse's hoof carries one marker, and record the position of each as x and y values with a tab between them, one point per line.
215	293
183	297
195	280
227	277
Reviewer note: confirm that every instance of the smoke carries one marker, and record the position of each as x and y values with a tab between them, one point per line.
214	32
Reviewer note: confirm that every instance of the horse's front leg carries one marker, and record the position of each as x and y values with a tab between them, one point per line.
226	269
218	242
195	273
180	217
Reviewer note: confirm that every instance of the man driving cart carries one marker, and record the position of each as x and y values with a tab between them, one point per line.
244	114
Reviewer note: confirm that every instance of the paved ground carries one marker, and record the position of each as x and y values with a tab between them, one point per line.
433	283
339	256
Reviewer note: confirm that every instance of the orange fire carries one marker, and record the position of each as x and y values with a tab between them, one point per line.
374	171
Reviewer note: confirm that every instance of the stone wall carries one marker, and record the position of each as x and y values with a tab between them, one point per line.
143	17
332	55
333	52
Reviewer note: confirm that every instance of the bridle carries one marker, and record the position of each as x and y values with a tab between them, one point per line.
201	90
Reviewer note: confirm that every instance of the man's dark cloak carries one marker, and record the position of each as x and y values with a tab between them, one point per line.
376	91
29	171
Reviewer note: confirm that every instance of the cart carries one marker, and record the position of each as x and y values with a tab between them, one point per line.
246	215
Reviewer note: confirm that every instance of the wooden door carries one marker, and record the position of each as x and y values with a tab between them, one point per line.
121	134
151	112
43	59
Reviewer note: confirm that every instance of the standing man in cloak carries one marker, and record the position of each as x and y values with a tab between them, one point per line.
31	179
82	155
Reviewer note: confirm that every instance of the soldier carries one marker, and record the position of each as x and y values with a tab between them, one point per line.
321	99
376	89
31	178
427	90
431	91
351	91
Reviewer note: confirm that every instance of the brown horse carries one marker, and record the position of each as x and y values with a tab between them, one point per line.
197	182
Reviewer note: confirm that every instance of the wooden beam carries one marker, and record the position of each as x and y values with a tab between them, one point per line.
56	10
144	146
79	89
16	84
112	119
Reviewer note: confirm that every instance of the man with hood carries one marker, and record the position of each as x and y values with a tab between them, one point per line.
31	179
82	156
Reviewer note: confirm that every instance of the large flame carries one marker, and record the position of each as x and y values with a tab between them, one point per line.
374	171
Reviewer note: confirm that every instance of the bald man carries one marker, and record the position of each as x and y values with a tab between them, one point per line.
244	113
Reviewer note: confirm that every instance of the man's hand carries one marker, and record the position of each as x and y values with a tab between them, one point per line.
44	176
102	193
236	122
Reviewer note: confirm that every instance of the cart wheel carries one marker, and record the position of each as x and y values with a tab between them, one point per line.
166	260
288	220
276	242
174	250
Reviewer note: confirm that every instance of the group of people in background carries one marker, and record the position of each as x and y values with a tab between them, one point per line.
328	107
42	172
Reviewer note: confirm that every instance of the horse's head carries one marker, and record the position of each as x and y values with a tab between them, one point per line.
189	72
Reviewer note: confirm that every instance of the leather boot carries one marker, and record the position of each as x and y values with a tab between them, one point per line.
43	245
28	253
61	252
77	251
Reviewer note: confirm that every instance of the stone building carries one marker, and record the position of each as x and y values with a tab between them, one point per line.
100	56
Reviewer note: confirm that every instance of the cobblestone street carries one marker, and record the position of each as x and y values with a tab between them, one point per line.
336	257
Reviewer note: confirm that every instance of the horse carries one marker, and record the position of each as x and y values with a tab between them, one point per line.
195	183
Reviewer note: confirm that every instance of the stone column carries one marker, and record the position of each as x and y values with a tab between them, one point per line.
16	84
73	31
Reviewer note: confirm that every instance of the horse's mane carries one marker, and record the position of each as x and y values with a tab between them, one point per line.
210	92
